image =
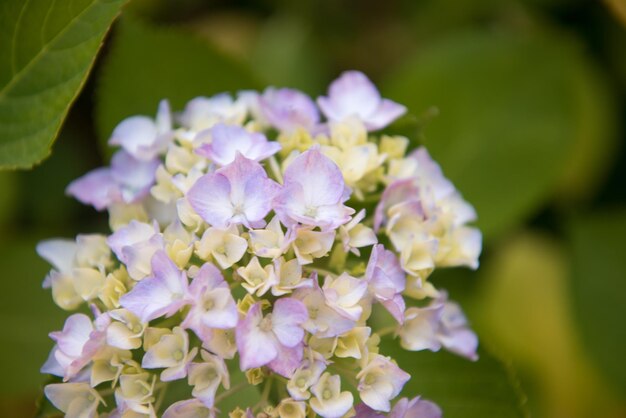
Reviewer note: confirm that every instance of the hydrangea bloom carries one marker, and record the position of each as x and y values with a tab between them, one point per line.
245	252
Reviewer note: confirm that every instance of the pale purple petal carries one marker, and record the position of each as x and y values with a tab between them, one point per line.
161	294
288	109
137	136
287	318
313	192
190	408
256	347
210	198
52	366
228	140
415	408
395	306
203	112
384	273
354	95
387	112
96	188
134	177
133	233
75	334
398	192
463	342
238	193
287	360
364	411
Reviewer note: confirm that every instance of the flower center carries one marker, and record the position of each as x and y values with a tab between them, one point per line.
327	394
208	304
178	355
266	323
310	211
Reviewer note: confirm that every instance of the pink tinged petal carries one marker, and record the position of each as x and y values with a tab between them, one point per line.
395	307
288	109
252	191
133	233
421	408
463	342
454	332
313	192
75	334
161	294
190	408
353	94
384	273
430	173
364	411
288	316
96	188
256	347
400	191
241	192
415	408
287	360
208	277
229	140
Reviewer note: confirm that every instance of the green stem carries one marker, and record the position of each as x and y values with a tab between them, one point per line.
230	391
387	330
161	398
265	395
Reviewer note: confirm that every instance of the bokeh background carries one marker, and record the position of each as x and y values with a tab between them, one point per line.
522	103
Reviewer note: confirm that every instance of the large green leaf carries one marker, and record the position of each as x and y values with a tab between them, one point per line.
463	389
599	289
147	64
522	306
510	112
46	50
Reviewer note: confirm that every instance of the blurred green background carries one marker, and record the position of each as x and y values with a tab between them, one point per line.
521	102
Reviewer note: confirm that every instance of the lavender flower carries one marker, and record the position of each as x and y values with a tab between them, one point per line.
244	252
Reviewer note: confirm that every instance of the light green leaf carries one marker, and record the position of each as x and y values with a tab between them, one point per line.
523	308
463	389
599	289
47	48
285	55
509	113
147	64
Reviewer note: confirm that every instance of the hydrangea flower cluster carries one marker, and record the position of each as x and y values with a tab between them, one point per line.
254	241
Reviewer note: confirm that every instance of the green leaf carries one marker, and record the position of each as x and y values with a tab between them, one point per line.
147	64
523	308
463	389
46	51
510	110
599	289
285	54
